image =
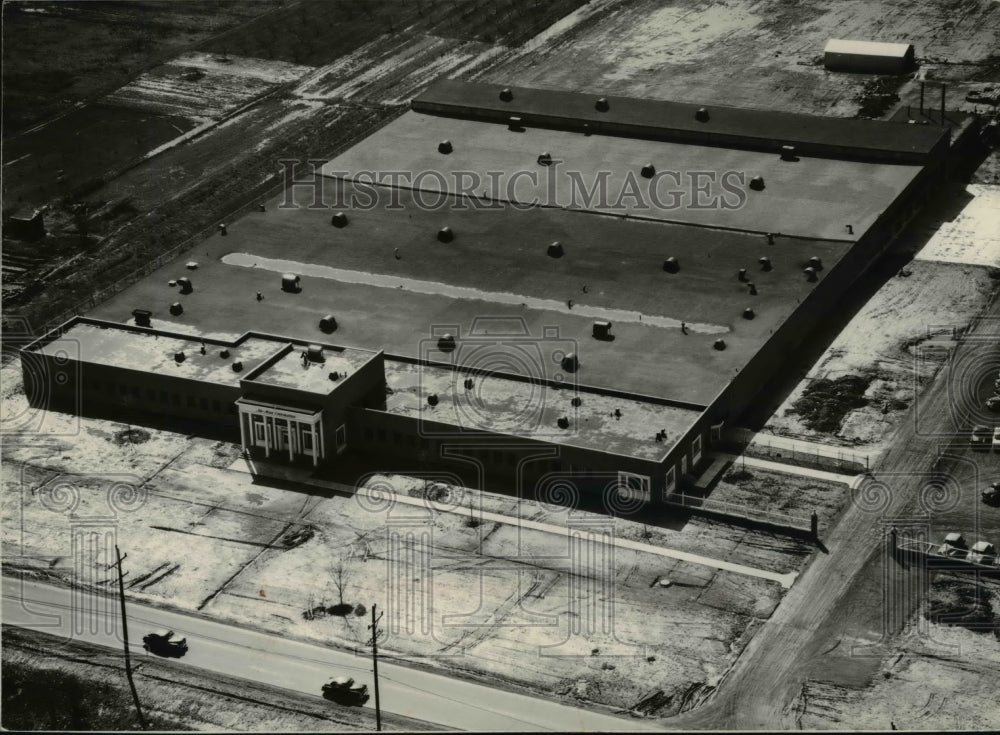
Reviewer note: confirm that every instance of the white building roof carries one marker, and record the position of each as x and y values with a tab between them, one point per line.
866	48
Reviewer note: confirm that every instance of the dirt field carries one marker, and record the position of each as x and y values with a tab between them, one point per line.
75	686
692	51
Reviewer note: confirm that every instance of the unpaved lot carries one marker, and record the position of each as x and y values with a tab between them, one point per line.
693	51
927	300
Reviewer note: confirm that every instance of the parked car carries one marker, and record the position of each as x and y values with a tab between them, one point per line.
343	690
954	546
981	437
993	403
163	643
996	439
983	552
991	494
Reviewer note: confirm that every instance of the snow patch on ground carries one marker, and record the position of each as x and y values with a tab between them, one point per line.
973	237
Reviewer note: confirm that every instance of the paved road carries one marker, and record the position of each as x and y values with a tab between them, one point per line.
761	689
302	667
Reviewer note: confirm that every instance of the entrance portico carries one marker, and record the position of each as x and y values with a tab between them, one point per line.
281	429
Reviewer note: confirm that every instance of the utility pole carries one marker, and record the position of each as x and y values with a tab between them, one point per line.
375	631
128	660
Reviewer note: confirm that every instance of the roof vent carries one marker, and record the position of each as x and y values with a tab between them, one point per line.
334	375
602	331
179	357
237	366
555	249
171	283
563	422
506	95
185	285
468	383
339	220
328	323
748	313
765	263
262	208
545	158
570	363
445	147
432	399
719	344
222	230
576	401
142	317
315	353
602	105
810	274
290	283
191	265
446	342
445	234
224	354
701	115
176	309
815	263
753	288
648	171
788	153
742	275
670	265
514	124
757	183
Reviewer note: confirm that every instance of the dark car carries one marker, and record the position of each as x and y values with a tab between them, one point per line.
991	494
163	643
343	690
981	437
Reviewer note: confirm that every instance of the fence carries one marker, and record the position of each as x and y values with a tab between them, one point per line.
742	513
791	451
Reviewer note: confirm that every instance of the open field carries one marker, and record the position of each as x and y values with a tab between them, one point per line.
54	684
56	54
693	51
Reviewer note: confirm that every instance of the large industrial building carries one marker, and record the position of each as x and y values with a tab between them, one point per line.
463	293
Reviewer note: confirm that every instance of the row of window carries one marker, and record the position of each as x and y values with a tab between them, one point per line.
150	395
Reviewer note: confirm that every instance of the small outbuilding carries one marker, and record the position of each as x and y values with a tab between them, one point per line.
868	57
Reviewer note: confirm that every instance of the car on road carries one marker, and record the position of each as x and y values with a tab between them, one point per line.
343	690
983	552
991	494
954	546
981	437
163	643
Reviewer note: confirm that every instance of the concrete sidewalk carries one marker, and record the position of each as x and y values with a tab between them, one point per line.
305	477
851	481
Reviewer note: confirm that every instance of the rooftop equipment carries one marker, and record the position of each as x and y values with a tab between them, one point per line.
555	250
810	274
815	263
290	283
339	220
176	309
446	342
179	357
432	399
445	234
742	275
237	366
545	158
570	363
719	344
506	95
185	285
602	105
765	263
748	313
328	324
702	114
788	153
648	171
602	330
757	183
315	353
142	317
670	265
445	147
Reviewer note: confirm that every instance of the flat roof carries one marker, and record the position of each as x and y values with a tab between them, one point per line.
290	371
867	48
497	265
151	351
531	411
810	197
725	125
